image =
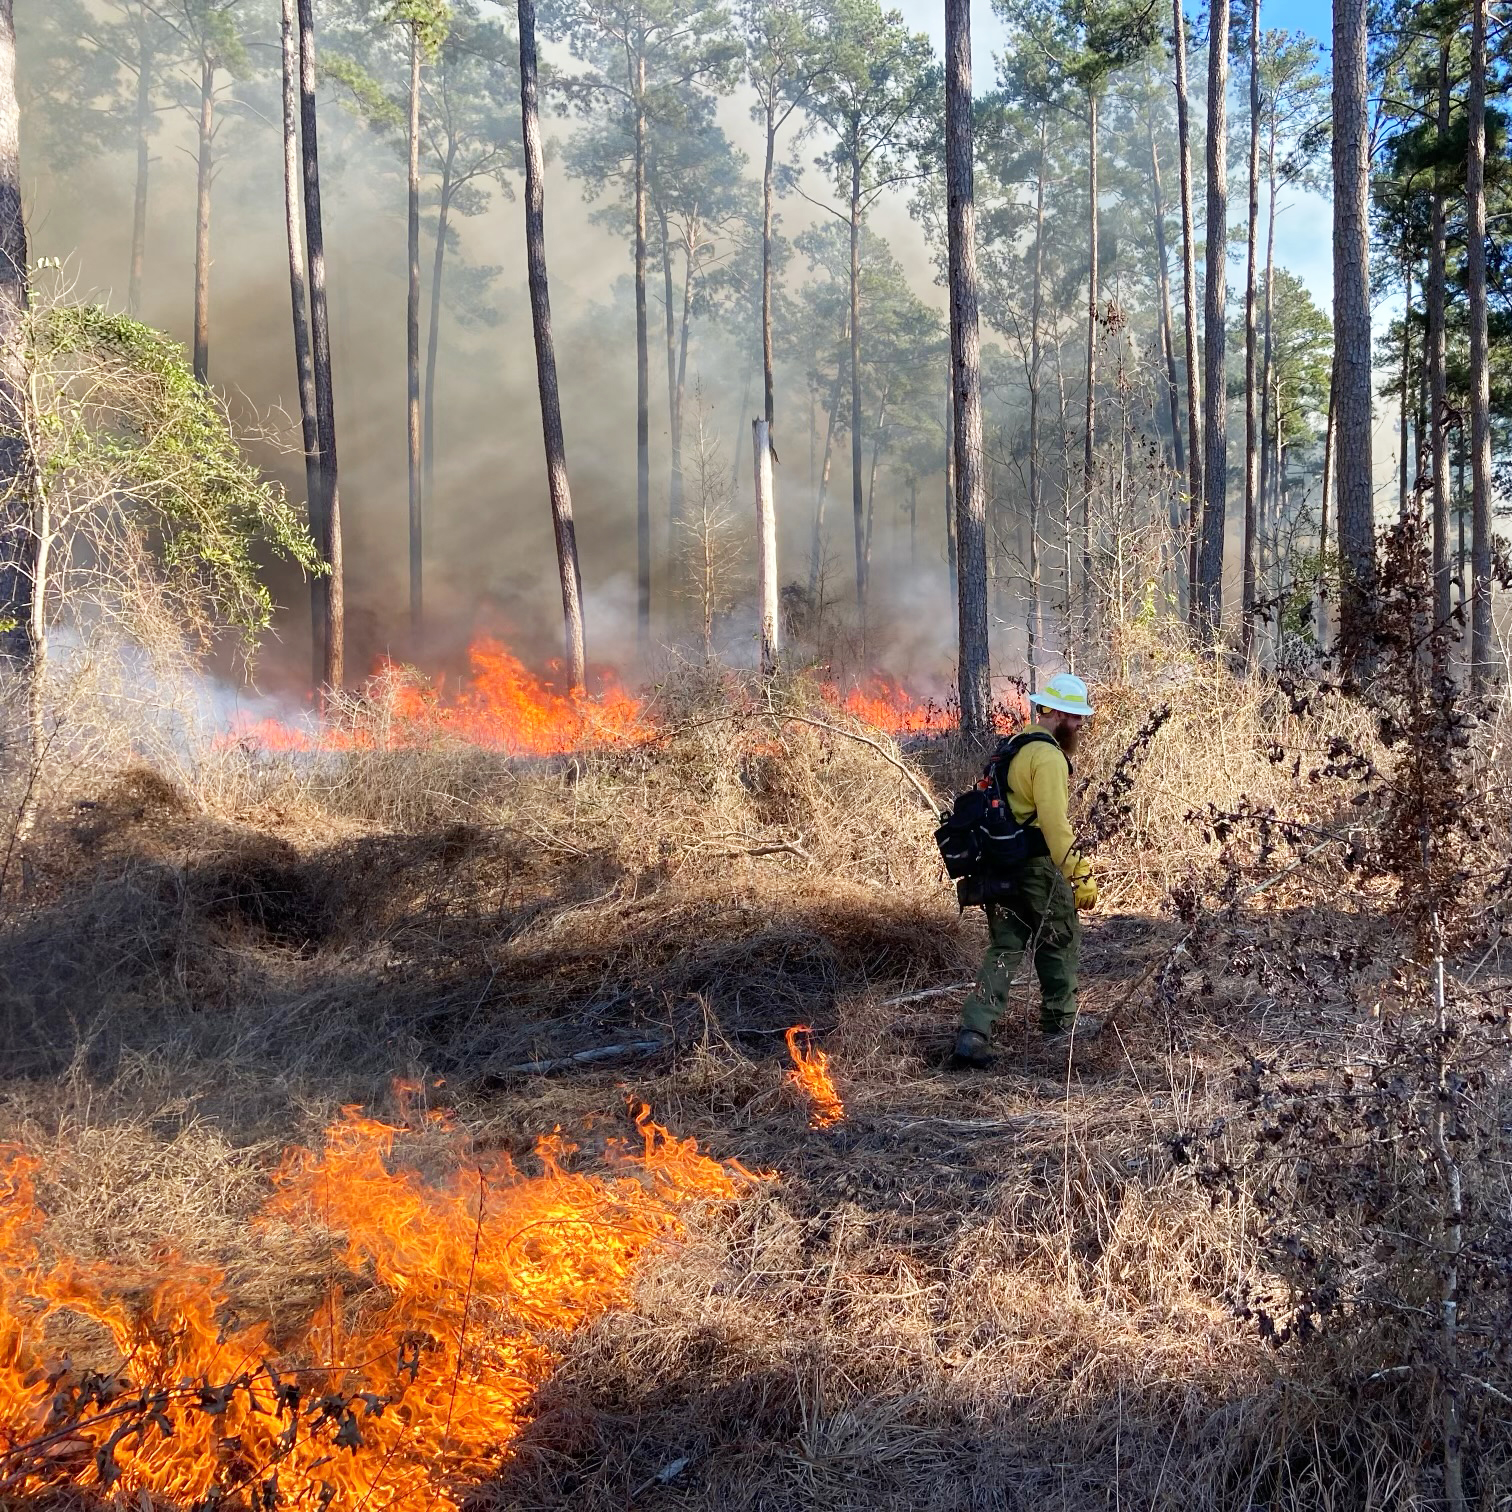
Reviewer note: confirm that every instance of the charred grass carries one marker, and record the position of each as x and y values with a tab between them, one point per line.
991	1291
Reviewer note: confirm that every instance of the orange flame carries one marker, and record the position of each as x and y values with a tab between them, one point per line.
398	1401
811	1076
884	703
501	705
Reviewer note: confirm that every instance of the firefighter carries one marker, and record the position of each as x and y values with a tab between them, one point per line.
1041	898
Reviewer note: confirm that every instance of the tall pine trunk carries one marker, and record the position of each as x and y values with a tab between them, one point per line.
329	540
677	390
1163	281
1325	501
1480	367
855	377
1353	474
433	335
412	352
1252	396
1089	434
1215	420
1438	397
1270	425
1189	312
642	376
879	440
143	166
1404	415
816	548
202	222
766	545
298	294
952	574
546	372
767	191
973	669
1036	629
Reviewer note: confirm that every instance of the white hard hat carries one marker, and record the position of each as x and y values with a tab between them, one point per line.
1063	692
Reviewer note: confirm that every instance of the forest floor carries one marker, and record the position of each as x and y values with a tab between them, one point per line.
978	1290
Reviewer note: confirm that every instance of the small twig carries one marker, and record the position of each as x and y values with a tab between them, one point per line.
1285	872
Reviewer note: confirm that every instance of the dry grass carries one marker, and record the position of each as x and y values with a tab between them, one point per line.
978	1292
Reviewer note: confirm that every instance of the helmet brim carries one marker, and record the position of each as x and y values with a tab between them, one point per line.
1050	701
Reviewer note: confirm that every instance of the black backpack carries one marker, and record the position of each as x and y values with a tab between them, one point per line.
980	841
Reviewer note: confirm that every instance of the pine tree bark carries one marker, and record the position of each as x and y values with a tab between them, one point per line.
22	591
1438	393
952	573
1189	312
1404	417
1089	433
879	440
202	222
1163	282
973	668
855	377
768	175
1480	353
1253	394
816	548
299	297
1353	473
546	371
433	334
1036	472
766	544
412	353
1215	418
642	376
329	540
143	166
1270	425
1325	501
678	375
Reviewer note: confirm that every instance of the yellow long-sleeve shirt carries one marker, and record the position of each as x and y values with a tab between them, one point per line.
1039	792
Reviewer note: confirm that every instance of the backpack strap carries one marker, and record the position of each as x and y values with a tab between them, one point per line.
1002	758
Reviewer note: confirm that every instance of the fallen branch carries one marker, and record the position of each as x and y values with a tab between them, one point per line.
586	1057
928	992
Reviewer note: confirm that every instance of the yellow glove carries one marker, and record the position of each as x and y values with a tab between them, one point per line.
1085	892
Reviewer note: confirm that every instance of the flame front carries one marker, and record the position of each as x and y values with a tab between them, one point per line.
811	1076
399	1400
884	703
501	706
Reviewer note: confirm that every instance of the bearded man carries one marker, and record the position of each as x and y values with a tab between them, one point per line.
1035	905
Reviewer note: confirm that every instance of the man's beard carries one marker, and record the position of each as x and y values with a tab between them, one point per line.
1065	738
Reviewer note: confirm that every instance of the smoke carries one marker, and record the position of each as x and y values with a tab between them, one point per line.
489	553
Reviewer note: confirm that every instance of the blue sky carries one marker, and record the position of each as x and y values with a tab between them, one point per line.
1304	226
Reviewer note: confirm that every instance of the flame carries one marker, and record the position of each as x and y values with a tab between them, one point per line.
883	702
501	705
399	1400
811	1076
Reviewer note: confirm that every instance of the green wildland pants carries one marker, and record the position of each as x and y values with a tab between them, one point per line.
1040	915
